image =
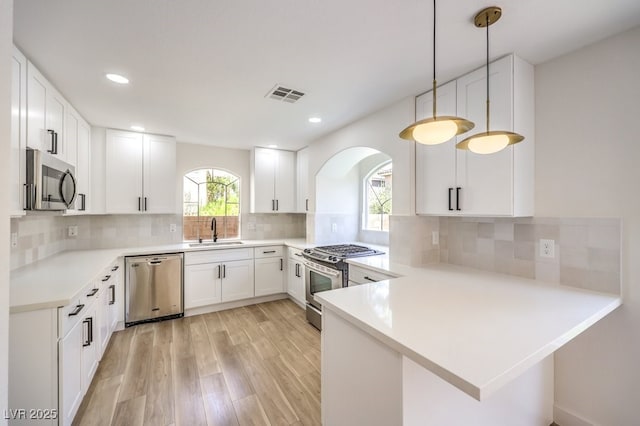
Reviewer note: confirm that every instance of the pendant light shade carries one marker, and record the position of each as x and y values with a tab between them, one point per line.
436	130
489	142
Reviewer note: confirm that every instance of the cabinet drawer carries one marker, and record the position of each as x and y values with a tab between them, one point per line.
269	251
362	275
294	253
69	315
212	256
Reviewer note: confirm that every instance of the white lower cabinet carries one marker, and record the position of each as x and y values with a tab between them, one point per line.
237	280
54	353
295	276
359	275
216	276
269	270
202	285
70	379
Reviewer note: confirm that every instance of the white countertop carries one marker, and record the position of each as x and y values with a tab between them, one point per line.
476	330
56	280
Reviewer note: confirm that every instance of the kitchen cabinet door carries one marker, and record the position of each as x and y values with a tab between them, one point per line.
159	179
269	275
37	136
436	164
18	132
83	174
302	180
123	172
56	114
114	293
487	180
263	165
285	182
90	342
237	280
70	374
272	181
202	285
295	280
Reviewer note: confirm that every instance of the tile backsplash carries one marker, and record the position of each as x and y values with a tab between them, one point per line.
42	235
587	251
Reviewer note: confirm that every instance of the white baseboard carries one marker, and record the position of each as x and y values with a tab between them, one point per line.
235	304
564	417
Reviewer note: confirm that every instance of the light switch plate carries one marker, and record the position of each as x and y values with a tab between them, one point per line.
334	227
14	239
435	238
73	231
173	227
547	248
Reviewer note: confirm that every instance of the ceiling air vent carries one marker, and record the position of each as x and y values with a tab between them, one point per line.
280	93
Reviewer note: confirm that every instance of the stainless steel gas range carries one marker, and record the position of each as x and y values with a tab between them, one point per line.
326	269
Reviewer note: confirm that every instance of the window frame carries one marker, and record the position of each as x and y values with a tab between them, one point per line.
365	198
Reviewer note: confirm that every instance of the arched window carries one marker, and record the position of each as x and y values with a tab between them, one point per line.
377	198
210	193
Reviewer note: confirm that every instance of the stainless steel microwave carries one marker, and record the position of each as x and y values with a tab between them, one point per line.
50	182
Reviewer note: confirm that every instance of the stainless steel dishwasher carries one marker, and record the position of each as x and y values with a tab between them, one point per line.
153	288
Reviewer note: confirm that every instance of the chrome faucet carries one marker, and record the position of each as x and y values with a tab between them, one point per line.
214	232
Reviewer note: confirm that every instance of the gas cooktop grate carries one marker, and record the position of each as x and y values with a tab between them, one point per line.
347	250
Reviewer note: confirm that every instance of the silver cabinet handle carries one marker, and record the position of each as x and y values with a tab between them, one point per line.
281	264
92	292
112	287
370	279
268	251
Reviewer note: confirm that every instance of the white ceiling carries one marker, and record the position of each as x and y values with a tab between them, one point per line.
200	69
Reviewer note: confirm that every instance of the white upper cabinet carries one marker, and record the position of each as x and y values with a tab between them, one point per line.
159	181
302	180
436	164
18	132
140	173
123	178
273	174
77	145
458	182
45	114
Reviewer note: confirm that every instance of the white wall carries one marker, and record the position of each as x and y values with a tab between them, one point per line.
379	131
6	40
191	157
587	155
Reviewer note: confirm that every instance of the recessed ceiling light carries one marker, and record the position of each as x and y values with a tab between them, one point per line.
272	146
315	120
117	78
137	128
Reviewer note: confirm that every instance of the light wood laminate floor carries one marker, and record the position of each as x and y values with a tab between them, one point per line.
255	365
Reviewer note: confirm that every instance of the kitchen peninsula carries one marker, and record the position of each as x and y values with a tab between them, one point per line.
448	345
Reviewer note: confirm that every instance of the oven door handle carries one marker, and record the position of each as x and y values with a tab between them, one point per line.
313	268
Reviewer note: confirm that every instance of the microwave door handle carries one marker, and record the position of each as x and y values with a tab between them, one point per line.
66	175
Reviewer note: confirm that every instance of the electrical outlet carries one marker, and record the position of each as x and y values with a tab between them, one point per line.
547	248
173	227
14	239
251	226
435	238
334	227
73	231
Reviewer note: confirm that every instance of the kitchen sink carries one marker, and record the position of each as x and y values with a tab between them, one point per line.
217	243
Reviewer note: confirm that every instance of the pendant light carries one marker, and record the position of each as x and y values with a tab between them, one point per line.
489	141
436	130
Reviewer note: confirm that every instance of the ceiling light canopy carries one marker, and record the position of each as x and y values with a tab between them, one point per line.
315	120
489	142
117	78
436	130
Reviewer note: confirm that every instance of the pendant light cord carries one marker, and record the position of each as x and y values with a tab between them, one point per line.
434	58
488	109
